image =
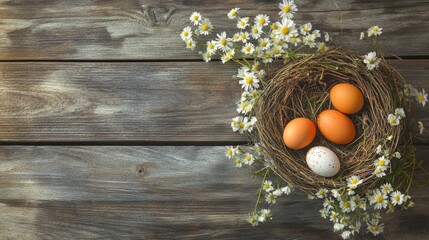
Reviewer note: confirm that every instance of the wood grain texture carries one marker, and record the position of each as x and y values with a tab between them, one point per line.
102	192
138	101
149	29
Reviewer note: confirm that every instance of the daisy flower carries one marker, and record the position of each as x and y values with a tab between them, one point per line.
264	43
195	18
243	22
211	46
237	124
207	57
278	192
244	36
248	49
379	150
346	206
277	51
267	186
422	97
288	8
270	198
253	219
305	29
353	181
327	204
324	213
382	163
321	47
256	31
371	60
266	57
374	31
286	28
309	41
362	36
386	188
400	112
249	81
379	199
186	34
338	227
379	172
229	152
205	27
228	56
222	42
264	214
397	198
286	190
333	216
397	155
316	34
233	13
244	107
421	127
393	119
262	20
374	227
236	37
249	123
346	234
322	193
238	162
190	44
294	41
248	159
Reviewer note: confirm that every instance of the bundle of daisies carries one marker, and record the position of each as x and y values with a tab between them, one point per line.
259	41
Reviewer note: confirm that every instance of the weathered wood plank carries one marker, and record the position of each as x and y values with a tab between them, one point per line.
71	192
181	101
148	29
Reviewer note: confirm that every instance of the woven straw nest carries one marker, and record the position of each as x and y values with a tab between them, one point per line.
301	89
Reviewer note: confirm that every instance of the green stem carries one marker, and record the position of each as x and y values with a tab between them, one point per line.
260	189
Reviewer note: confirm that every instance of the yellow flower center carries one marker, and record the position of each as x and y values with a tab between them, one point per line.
421	97
248	158
293	40
346	205
286	8
276	51
375	228
284	30
189	43
397	198
229	152
263	44
372	61
266	186
256	68
196	17
267	55
223	41
243	105
233	13
306	29
381	162
255	30
262	21
204	27
247	48
274	26
241	125
211	46
238	161
322	47
379	199
249	80
186	34
354	181
252	220
243	36
374	29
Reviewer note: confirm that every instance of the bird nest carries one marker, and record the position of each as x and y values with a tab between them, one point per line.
301	89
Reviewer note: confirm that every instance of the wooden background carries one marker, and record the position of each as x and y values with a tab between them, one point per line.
110	129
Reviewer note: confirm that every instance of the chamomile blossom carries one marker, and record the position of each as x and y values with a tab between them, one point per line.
228	56
286	190
238	162
285	28
294	41
382	163
267	186
322	193
223	43
288	9
207	57
386	188
374	31
346	234
249	81
316	34
211	46
262	19
305	28
397	198
375	227
248	48
327	204
243	22
236	37
244	37
237	124
422	97
321	47
333	217
393	119
229	152
190	44
253	219
186	34
353	181
248	159
256	31
195	18
278	192
421	127
371	60
379	172
347	206
264	43
309	41
264	214
267	56
379	199
249	123
270	198
244	107
277	51
205	27
233	13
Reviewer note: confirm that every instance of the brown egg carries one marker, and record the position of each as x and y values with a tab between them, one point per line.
346	98
299	133
336	127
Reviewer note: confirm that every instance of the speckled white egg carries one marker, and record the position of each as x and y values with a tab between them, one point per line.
323	161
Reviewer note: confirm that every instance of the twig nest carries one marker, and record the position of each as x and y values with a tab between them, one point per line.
301	90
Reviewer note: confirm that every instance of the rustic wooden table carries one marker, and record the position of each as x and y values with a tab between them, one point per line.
110	129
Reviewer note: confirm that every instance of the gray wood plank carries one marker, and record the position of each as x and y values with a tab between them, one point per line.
138	101
182	192
148	29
